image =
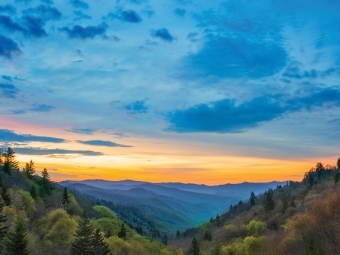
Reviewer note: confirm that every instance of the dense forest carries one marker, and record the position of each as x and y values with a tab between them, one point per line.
297	218
38	216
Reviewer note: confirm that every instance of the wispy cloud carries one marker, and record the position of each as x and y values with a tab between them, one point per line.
102	143
8	48
10	136
163	34
43	151
79	32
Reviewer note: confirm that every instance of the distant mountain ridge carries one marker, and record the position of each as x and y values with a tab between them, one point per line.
177	205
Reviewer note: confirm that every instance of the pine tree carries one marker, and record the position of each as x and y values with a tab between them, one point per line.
269	203
66	199
122	232
82	245
194	248
45	182
9	161
5	194
99	246
33	192
29	170
252	199
16	242
3	219
178	234
337	177
338	163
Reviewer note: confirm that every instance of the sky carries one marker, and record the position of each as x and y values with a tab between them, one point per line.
171	91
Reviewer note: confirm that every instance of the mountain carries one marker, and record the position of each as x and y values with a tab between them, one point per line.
176	205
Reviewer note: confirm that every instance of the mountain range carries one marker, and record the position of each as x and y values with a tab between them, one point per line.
176	205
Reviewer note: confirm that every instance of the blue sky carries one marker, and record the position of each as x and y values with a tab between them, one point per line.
246	79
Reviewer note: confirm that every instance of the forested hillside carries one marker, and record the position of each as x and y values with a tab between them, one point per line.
298	218
40	217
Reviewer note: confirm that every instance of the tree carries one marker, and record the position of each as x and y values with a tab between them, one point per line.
311	180
45	182
336	177
269	203
16	242
207	236
82	245
5	194
194	248
29	170
100	247
33	192
252	199
9	161
3	227
122	232
66	199
338	163
178	234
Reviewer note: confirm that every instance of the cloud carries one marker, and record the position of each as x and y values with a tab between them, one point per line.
8	9
23	1
44	12
9	136
10	25
42	108
42	151
126	16
81	15
34	25
137	107
47	1
7	78
162	34
79	32
8	48
88	131
79	4
180	12
8	90
224	116
102	143
223	56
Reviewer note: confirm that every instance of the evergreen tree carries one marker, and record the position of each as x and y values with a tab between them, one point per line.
165	239
83	243
252	199
292	203
3	219
16	242
33	192
45	182
311	180
9	161
207	236
5	194
269	203
122	232
29	170
284	201
178	234
66	199
99	246
194	248
338	163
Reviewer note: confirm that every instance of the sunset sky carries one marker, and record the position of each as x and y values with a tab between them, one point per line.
175	90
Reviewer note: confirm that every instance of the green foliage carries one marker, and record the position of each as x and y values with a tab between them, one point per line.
217	248
104	212
83	242
254	245
3	219
122	232
16	242
4	194
207	236
33	192
100	247
66	198
194	248
255	228
313	249
57	229
45	183
25	201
